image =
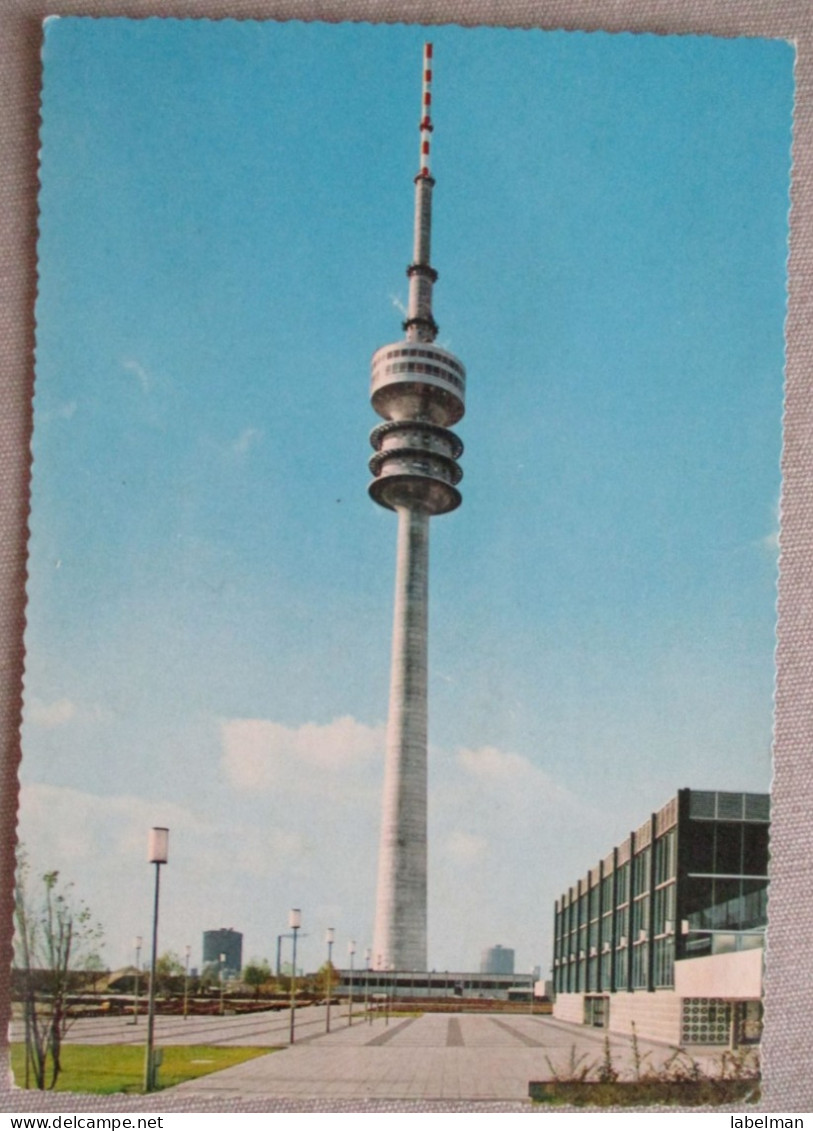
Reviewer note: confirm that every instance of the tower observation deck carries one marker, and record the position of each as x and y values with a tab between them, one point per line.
419	390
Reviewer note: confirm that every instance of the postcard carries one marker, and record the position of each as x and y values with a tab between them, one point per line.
403	563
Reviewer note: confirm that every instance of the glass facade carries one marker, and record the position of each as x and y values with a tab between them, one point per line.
691	881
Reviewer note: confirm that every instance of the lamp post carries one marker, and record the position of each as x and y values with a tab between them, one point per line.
351	948
279	949
367	1013
329	938
294	922
157	854
221	961
137	943
279	952
187	952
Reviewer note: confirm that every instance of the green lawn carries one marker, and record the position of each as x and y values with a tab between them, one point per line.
106	1069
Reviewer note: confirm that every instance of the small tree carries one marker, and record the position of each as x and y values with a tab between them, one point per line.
326	979
169	972
209	977
55	939
257	973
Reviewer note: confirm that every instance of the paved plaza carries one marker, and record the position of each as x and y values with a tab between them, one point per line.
458	1057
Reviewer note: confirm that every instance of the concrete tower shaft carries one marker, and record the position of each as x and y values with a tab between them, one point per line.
399	938
419	390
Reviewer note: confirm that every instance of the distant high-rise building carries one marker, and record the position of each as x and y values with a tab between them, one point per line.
419	390
227	942
497	960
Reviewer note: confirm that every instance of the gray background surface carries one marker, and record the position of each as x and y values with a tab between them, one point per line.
788	1042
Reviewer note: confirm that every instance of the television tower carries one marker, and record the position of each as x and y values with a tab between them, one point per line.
419	390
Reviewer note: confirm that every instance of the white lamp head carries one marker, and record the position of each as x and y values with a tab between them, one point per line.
158	846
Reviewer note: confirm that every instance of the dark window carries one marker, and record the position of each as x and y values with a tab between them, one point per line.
605	970
726	912
665	857
701	803
592	974
640	917
622	889
757	806
664	972
594	901
607	892
697	900
730	806
728	857
664	910
639	964
755	850
754	903
641	872
700	846
622	923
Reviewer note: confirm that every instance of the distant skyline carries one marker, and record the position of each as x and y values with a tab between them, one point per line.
225	224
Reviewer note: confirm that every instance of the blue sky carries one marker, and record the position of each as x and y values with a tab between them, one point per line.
225	222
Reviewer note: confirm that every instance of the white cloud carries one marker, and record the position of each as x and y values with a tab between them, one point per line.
300	828
246	440
503	770
64	826
261	754
399	306
490	762
143	377
465	847
49	716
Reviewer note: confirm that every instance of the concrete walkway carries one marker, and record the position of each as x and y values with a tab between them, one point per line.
461	1057
469	1058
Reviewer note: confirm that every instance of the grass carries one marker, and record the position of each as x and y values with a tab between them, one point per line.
108	1069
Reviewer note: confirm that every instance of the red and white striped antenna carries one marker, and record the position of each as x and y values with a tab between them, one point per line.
426	110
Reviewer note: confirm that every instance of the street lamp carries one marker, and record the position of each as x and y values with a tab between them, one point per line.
222	959
367	1013
351	948
187	952
329	937
157	854
294	922
137	943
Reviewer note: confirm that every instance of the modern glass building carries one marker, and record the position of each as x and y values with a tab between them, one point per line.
497	960
667	931
226	942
